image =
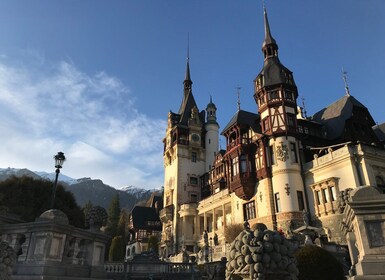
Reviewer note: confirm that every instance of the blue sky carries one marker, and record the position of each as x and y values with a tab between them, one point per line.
96	79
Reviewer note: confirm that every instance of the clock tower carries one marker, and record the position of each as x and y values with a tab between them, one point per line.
184	162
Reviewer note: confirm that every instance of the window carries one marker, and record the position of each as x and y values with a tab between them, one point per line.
259	159
194	156
300	129
274	95
277	203
301	205
243	164
272	155
266	124
333	193
293	153
318	196
380	183
306	130
193	180
234	166
249	210
193	197
288	95
325	196
290	120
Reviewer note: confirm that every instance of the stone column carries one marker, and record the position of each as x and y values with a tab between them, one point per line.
204	221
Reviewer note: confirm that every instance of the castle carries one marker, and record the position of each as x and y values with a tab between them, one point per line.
279	165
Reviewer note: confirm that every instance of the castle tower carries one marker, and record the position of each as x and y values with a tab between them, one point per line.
276	95
212	134
184	163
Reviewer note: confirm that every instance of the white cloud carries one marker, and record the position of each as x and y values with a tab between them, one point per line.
91	118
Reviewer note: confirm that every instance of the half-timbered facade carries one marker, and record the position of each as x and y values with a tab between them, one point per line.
278	164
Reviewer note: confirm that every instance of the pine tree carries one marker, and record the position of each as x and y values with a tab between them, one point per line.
86	208
123	225
113	216
117	249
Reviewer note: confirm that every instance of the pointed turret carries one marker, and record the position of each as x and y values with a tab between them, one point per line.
269	46
273	72
187	80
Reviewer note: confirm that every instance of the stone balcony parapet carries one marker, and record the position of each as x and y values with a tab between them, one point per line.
167	213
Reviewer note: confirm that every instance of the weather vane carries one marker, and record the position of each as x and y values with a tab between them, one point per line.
344	77
303	107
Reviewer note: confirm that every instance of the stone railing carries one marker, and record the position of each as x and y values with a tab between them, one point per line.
330	156
215	197
114	267
155	269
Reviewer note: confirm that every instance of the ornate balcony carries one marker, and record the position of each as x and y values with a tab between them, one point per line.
243	185
167	213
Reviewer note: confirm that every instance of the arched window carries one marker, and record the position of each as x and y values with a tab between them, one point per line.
380	183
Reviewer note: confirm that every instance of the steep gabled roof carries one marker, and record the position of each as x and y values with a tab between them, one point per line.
335	115
188	103
245	118
145	218
379	130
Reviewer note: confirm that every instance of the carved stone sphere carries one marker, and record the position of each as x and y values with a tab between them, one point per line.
56	216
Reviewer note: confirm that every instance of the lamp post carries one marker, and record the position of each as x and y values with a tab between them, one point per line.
211	248
59	160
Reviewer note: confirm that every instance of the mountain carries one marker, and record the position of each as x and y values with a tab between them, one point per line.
86	189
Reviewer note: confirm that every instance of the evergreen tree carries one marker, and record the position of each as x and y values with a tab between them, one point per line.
153	244
113	216
123	225
117	249
86	208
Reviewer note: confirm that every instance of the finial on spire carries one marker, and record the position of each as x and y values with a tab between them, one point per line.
211	99
187	77
345	78
269	46
238	99
188	45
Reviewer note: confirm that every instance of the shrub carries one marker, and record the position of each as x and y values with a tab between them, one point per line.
232	231
316	263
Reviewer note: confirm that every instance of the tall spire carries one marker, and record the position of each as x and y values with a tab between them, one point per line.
187	80
238	98
269	46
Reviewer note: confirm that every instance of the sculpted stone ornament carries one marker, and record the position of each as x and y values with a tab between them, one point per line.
256	254
96	218
7	260
282	153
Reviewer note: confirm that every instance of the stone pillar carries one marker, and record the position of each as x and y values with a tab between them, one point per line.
204	221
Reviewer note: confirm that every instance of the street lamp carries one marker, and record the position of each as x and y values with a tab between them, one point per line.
211	248
59	160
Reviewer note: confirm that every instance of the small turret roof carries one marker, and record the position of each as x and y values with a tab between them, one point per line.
245	118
